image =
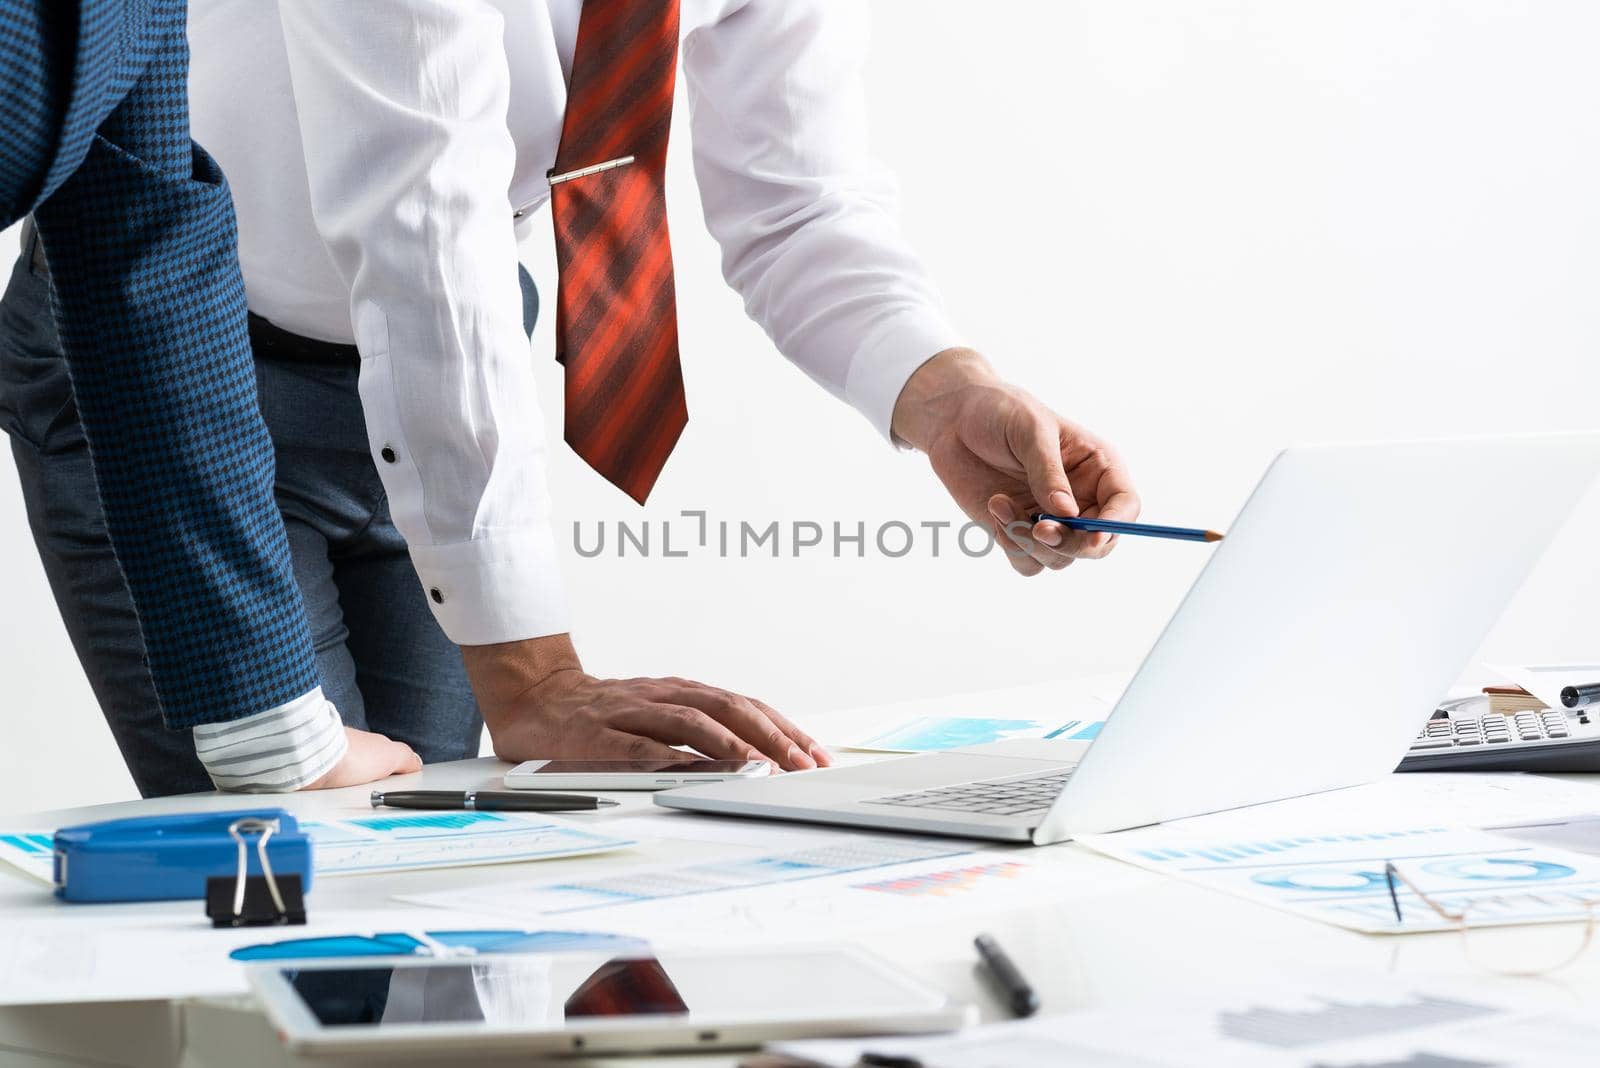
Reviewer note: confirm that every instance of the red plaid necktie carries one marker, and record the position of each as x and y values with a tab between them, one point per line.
616	313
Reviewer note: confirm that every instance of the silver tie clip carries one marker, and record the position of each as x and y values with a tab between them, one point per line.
584	172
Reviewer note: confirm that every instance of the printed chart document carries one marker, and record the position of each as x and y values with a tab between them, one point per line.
1339	877
1365	1024
391	842
804	884
1323	856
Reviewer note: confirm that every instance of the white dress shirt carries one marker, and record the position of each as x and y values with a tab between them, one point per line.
377	151
384	156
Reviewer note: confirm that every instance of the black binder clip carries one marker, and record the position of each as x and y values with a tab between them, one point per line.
247	900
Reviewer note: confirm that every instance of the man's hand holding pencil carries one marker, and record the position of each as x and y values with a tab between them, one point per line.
1005	457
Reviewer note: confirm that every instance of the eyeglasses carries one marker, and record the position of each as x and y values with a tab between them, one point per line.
1519	934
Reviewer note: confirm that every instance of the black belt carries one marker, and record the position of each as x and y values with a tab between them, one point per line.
269	342
275	343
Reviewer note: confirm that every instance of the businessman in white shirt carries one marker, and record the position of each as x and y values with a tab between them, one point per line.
385	157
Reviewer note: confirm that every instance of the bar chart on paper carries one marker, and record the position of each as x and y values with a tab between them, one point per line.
1333	1020
948	883
664	883
446	839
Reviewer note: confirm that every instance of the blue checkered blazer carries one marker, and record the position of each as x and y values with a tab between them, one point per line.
137	225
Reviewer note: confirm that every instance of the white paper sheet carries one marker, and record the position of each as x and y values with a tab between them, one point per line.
852	884
604	892
1364	1024
674	825
392	841
76	955
1430	799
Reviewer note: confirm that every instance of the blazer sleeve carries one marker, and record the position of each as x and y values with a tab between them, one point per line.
141	245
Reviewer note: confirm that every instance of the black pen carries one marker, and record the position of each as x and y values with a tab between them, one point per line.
1019	996
489	801
1580	696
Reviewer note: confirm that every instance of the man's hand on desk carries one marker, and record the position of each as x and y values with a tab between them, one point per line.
540	704
370	757
1004	456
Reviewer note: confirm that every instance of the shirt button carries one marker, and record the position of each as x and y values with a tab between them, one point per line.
388	454
437	594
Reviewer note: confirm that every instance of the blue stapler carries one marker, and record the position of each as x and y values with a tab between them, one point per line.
164	858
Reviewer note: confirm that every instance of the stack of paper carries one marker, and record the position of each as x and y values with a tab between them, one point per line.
1509	700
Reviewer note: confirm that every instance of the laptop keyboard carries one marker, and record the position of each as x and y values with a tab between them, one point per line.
996	797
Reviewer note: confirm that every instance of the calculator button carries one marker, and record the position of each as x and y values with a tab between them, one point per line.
1433	744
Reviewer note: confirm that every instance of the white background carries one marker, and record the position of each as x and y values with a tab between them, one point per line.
1206	229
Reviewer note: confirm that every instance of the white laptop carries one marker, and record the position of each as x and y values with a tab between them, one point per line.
1348	596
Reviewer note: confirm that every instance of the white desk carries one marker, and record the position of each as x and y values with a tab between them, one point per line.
1143	940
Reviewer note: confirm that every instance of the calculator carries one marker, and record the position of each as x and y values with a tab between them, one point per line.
1465	735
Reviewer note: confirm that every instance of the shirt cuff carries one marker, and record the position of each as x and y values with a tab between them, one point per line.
888	358
500	588
282	749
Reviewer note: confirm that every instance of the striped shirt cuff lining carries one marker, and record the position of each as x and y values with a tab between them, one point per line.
282	749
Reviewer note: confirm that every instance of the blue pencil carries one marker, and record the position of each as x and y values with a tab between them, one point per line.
1112	526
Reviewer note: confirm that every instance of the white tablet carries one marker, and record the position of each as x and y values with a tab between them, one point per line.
594	1003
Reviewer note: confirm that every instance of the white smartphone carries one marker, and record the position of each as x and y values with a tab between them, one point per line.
594	1003
628	774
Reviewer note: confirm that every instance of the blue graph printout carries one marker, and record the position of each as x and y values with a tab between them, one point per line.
385	842
929	734
657	883
400	842
1339	877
